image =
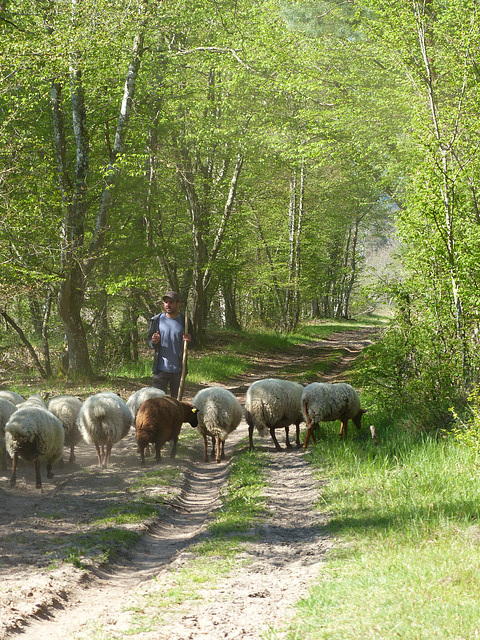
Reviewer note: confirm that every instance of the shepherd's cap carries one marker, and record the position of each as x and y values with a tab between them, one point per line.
171	294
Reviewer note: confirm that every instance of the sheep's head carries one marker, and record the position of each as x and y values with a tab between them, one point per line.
190	414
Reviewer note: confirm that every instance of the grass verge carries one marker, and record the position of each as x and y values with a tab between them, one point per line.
405	516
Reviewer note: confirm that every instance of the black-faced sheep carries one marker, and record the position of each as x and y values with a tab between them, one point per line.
35	435
327	402
67	408
11	396
273	404
103	420
137	398
219	413
159	420
6	410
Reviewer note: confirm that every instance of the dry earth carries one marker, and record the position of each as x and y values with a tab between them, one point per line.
42	598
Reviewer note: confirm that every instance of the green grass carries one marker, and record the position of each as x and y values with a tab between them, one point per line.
405	516
243	503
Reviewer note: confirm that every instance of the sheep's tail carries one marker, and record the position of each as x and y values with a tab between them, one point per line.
305	411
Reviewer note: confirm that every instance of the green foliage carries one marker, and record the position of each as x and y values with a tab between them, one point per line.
466	429
410	375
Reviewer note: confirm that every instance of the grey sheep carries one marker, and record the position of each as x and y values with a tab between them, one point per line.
272	404
103	420
219	413
35	435
67	408
6	410
11	396
327	402
136	399
159	420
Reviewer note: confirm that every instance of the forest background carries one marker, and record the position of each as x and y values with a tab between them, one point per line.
260	158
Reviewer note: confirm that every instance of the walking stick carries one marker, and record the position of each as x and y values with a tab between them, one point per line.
184	360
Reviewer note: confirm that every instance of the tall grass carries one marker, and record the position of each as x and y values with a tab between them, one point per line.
407	559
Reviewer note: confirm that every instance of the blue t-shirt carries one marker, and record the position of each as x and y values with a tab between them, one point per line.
171	341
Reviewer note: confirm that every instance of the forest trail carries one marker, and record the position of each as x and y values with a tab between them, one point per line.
273	572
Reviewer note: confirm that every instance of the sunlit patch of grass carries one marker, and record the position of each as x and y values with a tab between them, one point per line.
405	514
216	367
243	503
129	513
160	476
97	546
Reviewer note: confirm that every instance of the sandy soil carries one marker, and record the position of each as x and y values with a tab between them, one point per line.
41	597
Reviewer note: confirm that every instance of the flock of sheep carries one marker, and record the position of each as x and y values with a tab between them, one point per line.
36	431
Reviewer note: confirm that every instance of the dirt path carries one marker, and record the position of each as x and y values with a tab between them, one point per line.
273	573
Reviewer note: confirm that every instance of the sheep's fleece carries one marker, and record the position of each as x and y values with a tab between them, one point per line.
219	412
273	403
327	402
136	399
33	431
104	418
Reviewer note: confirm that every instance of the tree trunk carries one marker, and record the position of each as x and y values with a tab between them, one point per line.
230	319
74	196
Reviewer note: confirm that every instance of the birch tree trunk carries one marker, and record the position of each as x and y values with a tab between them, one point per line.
447	187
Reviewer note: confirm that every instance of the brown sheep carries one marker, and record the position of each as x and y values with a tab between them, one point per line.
159	420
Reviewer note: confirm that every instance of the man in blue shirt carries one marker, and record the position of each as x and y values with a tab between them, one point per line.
167	335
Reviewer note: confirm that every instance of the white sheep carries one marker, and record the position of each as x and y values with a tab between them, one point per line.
35	435
34	400
67	408
219	413
11	396
6	410
136	399
104	419
159	420
272	404
327	402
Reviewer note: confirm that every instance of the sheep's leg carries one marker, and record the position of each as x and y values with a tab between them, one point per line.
72	454
205	449
108	451
220	450
274	437
38	477
174	448
310	432
298	435
141	449
343	428
250	437
49	470
13	477
287	440
99	455
158	448
213	446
